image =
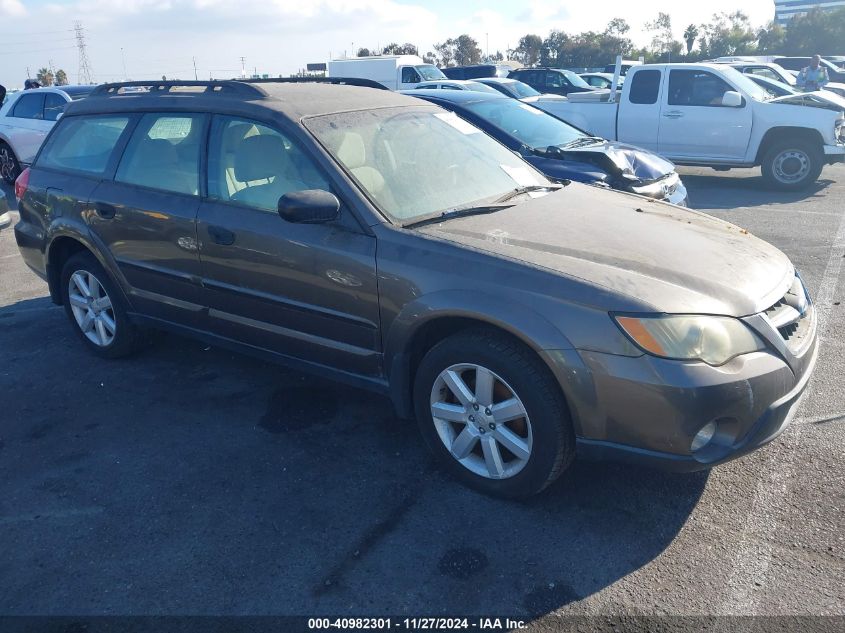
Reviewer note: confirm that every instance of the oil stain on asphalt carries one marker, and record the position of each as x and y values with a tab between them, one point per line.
462	563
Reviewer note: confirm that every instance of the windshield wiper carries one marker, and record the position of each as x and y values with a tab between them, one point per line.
457	213
583	140
510	195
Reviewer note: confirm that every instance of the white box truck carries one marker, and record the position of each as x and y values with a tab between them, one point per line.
395	72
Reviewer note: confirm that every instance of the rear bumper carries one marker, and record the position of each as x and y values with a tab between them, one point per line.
774	420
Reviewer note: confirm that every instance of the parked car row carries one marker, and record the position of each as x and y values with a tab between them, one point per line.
380	239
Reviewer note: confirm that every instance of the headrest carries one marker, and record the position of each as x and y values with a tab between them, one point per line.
351	151
260	157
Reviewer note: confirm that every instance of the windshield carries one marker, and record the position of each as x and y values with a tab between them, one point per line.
416	161
785	76
429	72
527	124
575	79
522	90
745	84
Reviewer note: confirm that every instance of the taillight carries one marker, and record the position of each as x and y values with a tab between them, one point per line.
21	183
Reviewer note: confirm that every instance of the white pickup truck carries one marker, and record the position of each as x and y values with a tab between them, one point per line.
713	115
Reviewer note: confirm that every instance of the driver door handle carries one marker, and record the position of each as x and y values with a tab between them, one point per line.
673	114
221	236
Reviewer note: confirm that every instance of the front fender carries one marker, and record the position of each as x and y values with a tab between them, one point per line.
518	320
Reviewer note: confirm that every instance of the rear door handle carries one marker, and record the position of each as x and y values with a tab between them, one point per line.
673	114
221	236
105	210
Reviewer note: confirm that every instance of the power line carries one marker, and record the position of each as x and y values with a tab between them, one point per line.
85	75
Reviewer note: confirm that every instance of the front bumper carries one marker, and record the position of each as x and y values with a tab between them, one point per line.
834	153
762	430
647	410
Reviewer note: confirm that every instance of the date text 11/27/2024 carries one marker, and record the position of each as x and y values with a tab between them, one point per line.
416	624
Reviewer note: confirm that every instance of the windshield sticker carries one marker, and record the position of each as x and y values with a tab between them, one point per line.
523	176
458	123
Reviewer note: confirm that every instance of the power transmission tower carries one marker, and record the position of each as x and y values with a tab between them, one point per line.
86	75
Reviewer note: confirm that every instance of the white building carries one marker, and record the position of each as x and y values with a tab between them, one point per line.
785	10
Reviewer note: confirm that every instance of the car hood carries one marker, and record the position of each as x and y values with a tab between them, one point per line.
819	99
544	98
661	257
630	163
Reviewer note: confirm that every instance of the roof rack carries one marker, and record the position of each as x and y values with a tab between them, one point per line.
338	81
227	87
241	87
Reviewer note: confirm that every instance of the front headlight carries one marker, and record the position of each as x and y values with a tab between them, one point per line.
660	189
839	131
712	339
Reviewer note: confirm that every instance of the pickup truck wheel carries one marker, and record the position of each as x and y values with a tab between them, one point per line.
493	414
10	168
95	308
792	165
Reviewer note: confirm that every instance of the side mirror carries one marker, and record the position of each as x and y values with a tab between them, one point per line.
310	206
732	99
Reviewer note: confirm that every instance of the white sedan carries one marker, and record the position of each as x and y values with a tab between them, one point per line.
25	120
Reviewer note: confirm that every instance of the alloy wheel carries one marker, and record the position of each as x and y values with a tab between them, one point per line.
92	308
481	421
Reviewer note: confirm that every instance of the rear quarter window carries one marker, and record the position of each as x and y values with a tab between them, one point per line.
645	86
83	144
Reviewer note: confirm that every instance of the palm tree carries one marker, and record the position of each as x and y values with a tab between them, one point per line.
690	35
45	77
61	78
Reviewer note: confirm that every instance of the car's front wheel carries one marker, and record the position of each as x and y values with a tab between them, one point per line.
10	168
95	307
792	165
493	414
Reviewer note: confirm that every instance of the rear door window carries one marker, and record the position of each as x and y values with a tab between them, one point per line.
645	86
29	106
164	153
83	144
54	105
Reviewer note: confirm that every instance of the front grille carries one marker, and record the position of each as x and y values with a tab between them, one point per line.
789	315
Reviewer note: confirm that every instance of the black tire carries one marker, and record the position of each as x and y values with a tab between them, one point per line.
10	168
126	336
553	446
803	150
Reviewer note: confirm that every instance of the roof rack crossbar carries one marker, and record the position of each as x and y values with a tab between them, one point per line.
338	81
228	87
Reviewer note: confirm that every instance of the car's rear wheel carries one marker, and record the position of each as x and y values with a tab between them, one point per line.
792	165
10	168
95	307
493	414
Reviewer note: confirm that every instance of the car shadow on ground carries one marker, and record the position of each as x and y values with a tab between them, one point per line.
189	479
723	191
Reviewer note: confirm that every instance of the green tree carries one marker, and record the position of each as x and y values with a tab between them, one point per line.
771	40
727	35
458	51
399	49
690	35
816	32
529	49
661	29
363	52
45	76
61	78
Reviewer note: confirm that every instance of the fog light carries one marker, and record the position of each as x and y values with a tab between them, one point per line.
703	437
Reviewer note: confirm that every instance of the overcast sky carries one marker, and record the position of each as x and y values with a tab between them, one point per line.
161	37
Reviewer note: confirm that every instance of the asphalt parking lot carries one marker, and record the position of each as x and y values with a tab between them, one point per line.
188	480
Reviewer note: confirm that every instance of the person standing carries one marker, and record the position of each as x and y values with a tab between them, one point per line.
813	77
